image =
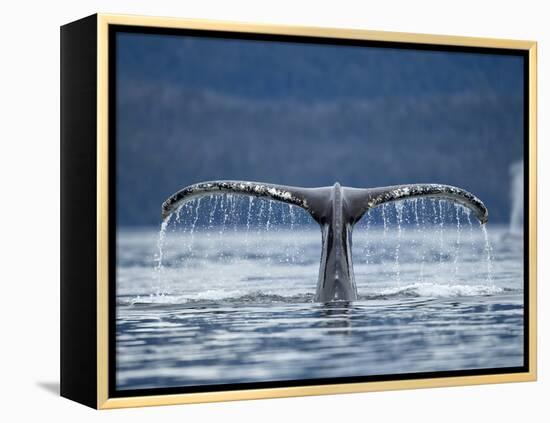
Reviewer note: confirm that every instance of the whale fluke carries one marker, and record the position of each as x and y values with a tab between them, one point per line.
363	199
336	209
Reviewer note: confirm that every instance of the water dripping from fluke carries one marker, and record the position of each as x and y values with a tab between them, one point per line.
458	240
399	217
441	229
159	268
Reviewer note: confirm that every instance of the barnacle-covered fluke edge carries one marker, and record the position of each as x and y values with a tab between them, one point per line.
282	193
383	195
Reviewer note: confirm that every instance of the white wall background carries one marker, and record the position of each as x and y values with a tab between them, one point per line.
29	154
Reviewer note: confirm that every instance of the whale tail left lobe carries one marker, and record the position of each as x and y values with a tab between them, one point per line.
310	199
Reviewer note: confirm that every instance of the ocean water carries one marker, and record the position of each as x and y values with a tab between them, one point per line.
225	295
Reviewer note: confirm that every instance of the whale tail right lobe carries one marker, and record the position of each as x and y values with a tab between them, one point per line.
360	200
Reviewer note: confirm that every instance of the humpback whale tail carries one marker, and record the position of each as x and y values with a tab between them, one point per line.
336	209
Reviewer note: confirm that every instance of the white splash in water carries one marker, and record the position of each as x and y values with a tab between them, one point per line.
436	290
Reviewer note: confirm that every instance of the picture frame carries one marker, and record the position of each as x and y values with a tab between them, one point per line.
89	154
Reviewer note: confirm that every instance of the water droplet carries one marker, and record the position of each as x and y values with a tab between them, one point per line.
399	217
441	227
159	268
488	255
269	213
457	242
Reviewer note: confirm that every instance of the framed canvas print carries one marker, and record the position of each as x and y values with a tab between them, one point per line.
254	211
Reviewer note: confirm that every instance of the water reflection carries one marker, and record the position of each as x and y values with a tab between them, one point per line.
336	317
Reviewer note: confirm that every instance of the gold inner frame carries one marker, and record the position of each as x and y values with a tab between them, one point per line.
103	22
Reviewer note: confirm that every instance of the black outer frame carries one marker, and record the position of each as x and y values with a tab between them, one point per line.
79	211
79	222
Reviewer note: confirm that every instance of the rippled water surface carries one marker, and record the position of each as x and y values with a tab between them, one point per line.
233	303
